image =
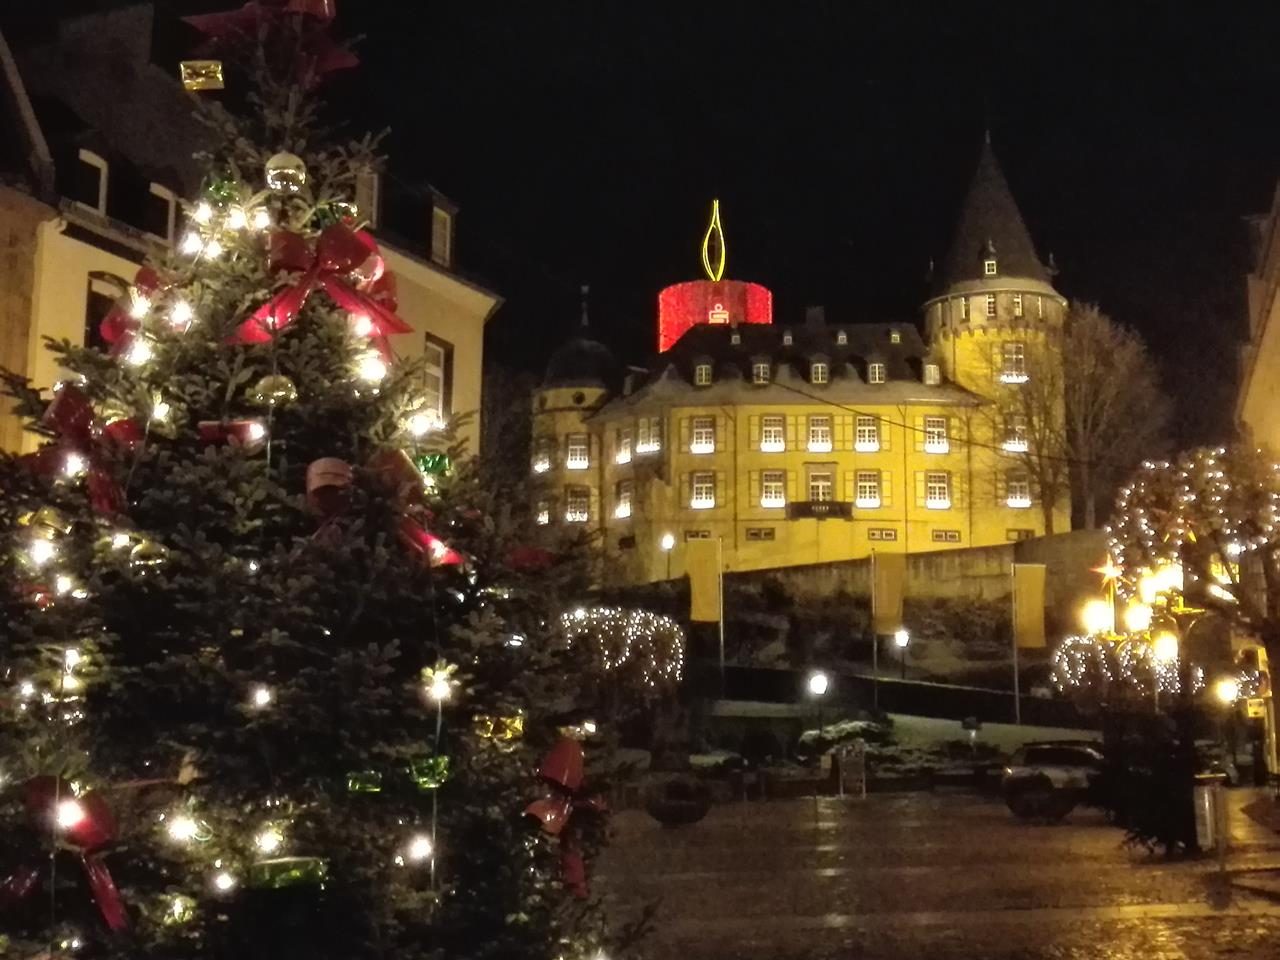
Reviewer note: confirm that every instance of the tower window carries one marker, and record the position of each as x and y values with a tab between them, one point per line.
1015	434
818	372
1039	308
577	504
702	375
542	512
1013	366
760	373
772	434
964	308
989	267
772	489
1017	304
842	338
875	373
577	455
703	438
787	339
991	304
932	374
542	448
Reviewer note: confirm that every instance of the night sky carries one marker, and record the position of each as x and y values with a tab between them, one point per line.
584	143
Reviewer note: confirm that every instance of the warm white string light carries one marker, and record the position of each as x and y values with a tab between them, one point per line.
622	637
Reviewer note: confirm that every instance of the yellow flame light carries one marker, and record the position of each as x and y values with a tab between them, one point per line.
714	267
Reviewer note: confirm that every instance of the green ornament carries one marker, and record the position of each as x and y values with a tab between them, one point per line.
148	555
335	211
364	781
281	872
433	464
429	772
222	190
273	390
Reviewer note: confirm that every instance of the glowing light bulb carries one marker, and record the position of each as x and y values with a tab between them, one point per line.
419	848
139	303
1227	690
120	540
371	367
160	411
182	829
27	689
63	584
191	244
139	352
237	219
818	683
420	424
203	213
70	813
439	689
181	314
269	841
361	324
41	552
213	248
1137	617
589	727
668	541
224	882
261	218
1164	646
71	657
1096	616
901	638
261	696
74	465
257	431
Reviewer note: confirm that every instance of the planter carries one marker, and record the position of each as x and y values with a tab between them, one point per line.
679	801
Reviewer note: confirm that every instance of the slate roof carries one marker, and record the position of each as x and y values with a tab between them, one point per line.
581	362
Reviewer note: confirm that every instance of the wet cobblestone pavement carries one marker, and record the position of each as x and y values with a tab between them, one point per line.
937	876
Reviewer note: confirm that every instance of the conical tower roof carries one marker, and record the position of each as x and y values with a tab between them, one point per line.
990	225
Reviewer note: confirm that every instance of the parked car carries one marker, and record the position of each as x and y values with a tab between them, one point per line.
1047	779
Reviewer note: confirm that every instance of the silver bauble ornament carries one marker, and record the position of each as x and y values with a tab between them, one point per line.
286	173
273	390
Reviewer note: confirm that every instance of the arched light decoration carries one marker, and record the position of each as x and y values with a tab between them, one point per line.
629	639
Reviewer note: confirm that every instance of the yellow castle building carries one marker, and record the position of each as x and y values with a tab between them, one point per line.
809	443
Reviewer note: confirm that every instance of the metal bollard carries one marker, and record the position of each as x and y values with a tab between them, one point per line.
1210	803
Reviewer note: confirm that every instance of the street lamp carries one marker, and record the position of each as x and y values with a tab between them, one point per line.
1137	617
1097	616
1227	691
818	684
900	640
668	544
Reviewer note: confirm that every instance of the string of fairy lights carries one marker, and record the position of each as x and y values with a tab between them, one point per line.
622	639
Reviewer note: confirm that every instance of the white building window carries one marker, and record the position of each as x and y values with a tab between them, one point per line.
820	434
577	504
842	338
1013	364
437	363
622	500
787	339
964	308
542	513
735	338
760	373
773	489
542	448
577	452
441	237
935	435
818	372
702	375
162	207
702	439
867	435
93	175
932	374
1018	490
875	373
703	494
895	336
772	434
989	267
937	490
648	435
622	446
991	304
820	486
867	489
1040	307
1017	304
1015	433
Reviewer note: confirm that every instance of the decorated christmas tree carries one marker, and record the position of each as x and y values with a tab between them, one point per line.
281	675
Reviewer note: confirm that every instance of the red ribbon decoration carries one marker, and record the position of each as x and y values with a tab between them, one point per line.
422	541
79	431
321	54
95	829
119	324
339	252
562	770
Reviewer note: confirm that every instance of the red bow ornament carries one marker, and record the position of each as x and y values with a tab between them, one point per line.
319	54
81	435
83	823
345	263
119	325
562	771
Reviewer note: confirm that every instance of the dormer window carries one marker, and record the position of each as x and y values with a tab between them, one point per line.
895	336
735	338
91	180
842	338
875	373
760	372
442	236
787	339
932	375
162	212
702	375
989	267
819	372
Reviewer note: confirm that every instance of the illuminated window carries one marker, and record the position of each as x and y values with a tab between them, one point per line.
1013	366
964	308
622	500
818	372
875	373
703	493
820	434
935	435
622	446
787	339
90	190
773	489
648	435
368	190
772	434
542	512
867	490
1040	307
577	452
932	374
441	237
867	435
760	373
1018	490
895	336
542	452
991	304
1017	304
842	338
577	504
703	437
735	338
437	377
989	267
104	293
820	486
937	490
702	375
1015	433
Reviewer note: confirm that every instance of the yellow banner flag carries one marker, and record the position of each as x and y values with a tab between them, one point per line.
702	560
1028	604
888	584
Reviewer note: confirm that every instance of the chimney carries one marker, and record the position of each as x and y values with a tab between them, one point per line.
815	317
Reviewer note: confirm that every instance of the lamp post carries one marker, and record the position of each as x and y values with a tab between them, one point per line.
668	544
818	683
900	640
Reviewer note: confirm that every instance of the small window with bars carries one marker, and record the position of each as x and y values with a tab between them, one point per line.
991	304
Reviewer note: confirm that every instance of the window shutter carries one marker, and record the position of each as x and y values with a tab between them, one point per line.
753	487
686	486
843	432
957	488
920	490
886	436
684	433
753	428
792	490
886	488
722	496
850	486
919	434
952	423
997	360
792	428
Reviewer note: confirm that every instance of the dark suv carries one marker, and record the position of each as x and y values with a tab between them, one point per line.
1046	780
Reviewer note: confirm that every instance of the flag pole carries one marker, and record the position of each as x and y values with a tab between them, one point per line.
875	641
1017	693
720	591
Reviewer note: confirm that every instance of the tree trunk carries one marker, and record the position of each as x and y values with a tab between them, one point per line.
1046	507
1087	492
